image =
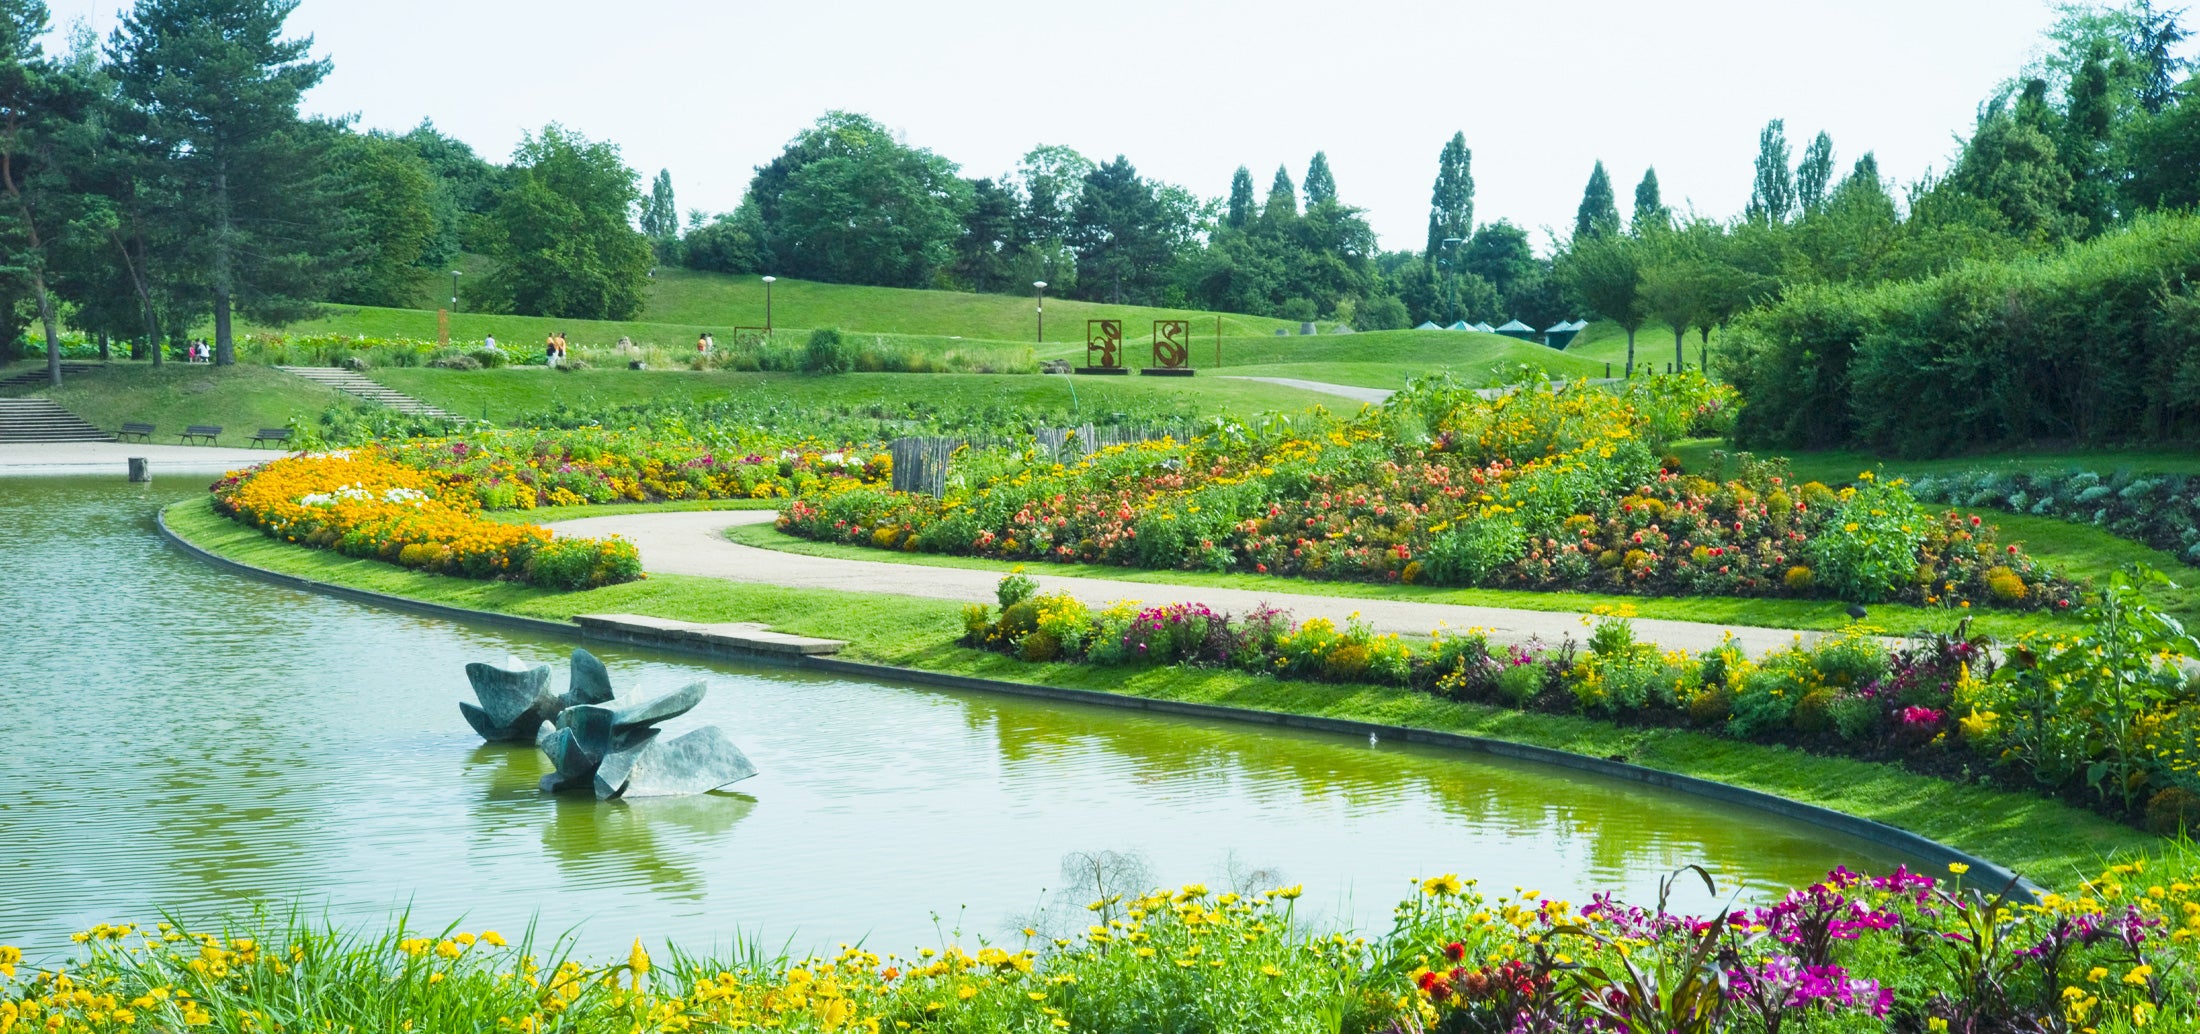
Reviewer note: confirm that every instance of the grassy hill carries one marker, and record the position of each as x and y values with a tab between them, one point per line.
240	399
1604	342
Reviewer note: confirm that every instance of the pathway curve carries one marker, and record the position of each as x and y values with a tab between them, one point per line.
44	458
1370	395
695	544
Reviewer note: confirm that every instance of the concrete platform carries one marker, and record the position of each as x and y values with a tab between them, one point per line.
731	636
55	458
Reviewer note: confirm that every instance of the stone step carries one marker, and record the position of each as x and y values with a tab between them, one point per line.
358	385
34	376
40	420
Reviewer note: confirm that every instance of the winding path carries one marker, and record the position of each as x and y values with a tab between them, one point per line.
695	544
1356	394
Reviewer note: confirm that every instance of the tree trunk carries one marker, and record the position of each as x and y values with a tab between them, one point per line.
1680	360
1630	353
49	320
225	346
144	290
105	355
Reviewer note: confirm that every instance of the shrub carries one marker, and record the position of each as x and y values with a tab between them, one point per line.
2004	584
1520	680
826	352
456	362
1473	550
1869	550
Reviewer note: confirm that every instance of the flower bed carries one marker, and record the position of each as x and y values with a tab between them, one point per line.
366	504
2106	718
506	470
2158	510
1897	952
1540	489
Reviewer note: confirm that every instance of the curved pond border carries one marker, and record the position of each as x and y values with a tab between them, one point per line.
1984	873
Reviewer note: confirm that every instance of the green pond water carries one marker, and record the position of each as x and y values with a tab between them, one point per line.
187	741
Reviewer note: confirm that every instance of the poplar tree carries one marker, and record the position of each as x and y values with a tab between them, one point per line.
1814	175
1772	197
660	216
1241	199
1283	198
220	86
1599	211
1451	203
1650	210
1321	187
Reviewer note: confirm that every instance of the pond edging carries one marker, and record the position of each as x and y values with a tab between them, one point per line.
1983	873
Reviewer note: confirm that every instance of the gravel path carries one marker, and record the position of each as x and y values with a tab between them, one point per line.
1370	395
695	544
49	458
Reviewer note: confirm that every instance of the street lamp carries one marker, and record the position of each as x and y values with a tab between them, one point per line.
454	290
768	281
1041	287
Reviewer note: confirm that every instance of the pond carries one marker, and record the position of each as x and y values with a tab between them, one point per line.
188	741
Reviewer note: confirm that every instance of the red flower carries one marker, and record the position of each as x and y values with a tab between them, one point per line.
1455	951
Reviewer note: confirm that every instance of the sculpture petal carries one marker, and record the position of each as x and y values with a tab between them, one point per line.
490	730
659	709
611	775
591	681
697	762
508	693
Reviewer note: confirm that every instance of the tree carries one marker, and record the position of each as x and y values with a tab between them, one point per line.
466	188
2085	141
385	192
1772	197
1598	215
1241	199
727	244
1321	187
221	85
106	266
1814	175
2155	37
1603	273
661	217
1124	236
1650	211
1282	205
848	202
1451	202
2165	155
40	110
2012	165
988	242
562	238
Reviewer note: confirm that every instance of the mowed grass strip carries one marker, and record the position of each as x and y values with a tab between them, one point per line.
2051	842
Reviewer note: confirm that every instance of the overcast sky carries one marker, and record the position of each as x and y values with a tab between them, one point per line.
1191	90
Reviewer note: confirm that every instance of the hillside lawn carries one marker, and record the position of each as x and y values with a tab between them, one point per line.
240	399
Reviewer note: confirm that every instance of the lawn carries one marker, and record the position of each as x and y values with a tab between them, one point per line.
240	399
2049	841
1379	359
683	303
502	395
1811	615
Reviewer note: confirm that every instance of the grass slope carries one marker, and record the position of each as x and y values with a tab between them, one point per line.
502	395
1378	359
240	399
2051	842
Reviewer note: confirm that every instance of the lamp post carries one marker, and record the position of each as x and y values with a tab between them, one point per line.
768	281
454	290
1041	287
1451	284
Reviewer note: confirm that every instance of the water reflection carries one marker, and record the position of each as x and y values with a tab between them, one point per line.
190	740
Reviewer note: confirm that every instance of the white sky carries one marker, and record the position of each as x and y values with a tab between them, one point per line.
1190	90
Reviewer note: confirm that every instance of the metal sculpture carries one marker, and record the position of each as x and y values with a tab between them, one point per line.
1103	347
597	742
1172	351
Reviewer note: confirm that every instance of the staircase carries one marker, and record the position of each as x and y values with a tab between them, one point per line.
38	420
367	388
35	376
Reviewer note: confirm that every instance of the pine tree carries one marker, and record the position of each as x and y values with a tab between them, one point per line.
1867	168
1321	187
1283	198
1772	198
1599	211
1650	210
1451	203
2084	143
221	85
2155	37
39	104
1815	173
1241	199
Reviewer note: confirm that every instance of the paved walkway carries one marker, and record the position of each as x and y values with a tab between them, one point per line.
50	458
1369	395
695	544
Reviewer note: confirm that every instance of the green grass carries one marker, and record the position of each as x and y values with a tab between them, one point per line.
2051	842
1809	615
1840	466
1604	342
503	395
683	303
241	399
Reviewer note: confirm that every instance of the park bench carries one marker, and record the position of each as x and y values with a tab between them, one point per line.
141	432
275	435
209	432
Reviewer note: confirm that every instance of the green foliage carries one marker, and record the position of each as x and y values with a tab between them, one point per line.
1451	202
1650	211
560	233
1473	550
2087	346
1321	184
1869	549
1598	214
826	352
1772	196
388	192
1814	174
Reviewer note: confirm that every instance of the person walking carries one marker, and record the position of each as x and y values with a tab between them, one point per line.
704	344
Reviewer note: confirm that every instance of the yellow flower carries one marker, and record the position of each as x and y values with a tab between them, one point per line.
1958	868
1446	885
